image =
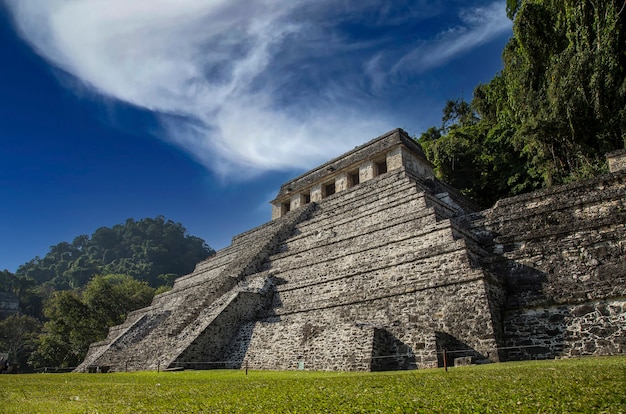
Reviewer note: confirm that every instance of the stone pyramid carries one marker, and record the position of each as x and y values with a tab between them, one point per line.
371	263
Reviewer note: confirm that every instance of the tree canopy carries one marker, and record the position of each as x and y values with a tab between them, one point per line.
80	289
77	319
18	337
152	250
550	115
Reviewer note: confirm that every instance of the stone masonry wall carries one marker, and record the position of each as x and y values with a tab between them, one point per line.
374	256
561	255
591	328
412	319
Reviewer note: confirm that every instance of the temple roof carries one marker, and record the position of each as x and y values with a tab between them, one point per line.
355	156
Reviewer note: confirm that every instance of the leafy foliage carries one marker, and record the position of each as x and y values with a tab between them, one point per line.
152	250
79	306
551	114
77	320
18	336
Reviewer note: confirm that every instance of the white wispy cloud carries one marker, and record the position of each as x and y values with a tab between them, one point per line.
261	85
480	25
477	26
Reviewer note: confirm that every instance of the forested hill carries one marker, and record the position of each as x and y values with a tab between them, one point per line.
551	114
82	288
154	250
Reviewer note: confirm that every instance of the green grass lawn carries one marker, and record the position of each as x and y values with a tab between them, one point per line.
593	385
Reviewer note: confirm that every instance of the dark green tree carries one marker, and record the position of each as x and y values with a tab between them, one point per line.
67	334
76	320
19	336
112	297
27	291
551	114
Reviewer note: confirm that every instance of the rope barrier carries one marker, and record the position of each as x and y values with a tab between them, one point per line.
299	358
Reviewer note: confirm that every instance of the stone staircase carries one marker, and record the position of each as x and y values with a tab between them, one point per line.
155	335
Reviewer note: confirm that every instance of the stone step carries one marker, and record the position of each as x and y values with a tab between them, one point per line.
390	211
350	255
421	262
360	218
221	257
444	205
414	274
209	269
531	217
327	242
577	199
326	219
355	198
198	277
353	202
604	188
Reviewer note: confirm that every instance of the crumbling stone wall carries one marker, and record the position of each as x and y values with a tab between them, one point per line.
561	253
9	304
569	330
616	160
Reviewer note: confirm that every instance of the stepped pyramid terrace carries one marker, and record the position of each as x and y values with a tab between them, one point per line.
371	263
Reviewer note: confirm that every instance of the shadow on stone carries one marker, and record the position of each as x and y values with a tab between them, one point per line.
233	355
455	349
391	354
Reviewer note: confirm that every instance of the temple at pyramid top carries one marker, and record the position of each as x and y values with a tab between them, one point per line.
388	152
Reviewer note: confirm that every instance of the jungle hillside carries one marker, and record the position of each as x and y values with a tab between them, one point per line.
69	298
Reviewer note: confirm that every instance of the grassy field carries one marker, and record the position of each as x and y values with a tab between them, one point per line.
593	385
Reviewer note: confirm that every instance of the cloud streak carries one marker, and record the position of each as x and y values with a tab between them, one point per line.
479	26
261	85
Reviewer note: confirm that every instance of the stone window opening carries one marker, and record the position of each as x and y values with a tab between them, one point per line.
381	167
329	189
353	178
307	198
284	208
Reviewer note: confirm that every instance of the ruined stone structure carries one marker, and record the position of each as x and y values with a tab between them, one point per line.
370	263
9	304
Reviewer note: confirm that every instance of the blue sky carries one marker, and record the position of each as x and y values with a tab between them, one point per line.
198	110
